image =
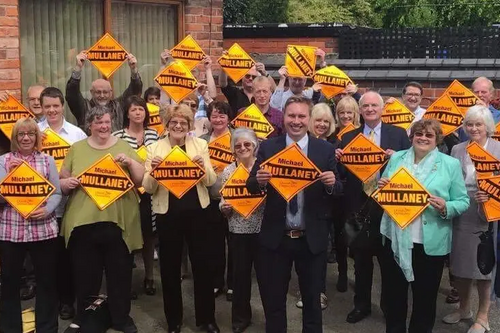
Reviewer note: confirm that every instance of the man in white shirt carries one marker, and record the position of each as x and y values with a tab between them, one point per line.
412	97
52	102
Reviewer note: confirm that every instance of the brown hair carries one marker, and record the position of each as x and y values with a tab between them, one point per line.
300	100
181	110
31	125
428	125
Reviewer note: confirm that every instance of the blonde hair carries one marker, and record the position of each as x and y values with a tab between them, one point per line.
181	110
31	125
322	110
348	103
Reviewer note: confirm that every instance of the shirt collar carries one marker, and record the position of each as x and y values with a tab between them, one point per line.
376	129
302	142
44	124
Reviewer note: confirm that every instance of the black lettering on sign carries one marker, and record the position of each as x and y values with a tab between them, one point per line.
117	56
492	188
363	159
257	126
40	189
281	171
188	55
239	192
402	198
220	155
185	173
398	118
300	61
168	80
236	63
331	81
12	117
105	182
445	118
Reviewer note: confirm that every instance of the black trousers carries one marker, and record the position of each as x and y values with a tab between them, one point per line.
427	271
244	250
65	283
273	275
220	237
44	257
173	228
94	248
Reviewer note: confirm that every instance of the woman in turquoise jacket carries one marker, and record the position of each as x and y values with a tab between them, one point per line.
415	255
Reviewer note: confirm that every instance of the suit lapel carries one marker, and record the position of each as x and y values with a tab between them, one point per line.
384	136
434	172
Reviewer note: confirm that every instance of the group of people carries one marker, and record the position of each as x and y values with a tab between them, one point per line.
71	242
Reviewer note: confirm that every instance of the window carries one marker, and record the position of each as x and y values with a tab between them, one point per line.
53	32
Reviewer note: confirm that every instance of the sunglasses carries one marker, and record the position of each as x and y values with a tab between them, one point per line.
427	135
250	76
238	146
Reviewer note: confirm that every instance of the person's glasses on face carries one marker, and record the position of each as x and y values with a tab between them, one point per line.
239	146
30	134
250	76
426	134
416	95
174	123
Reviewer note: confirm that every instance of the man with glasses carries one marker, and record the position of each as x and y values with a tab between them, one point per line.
101	92
412	97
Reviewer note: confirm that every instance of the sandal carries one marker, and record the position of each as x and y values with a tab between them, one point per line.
485	327
149	287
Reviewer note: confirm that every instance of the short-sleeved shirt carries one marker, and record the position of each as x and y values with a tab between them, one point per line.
236	98
81	210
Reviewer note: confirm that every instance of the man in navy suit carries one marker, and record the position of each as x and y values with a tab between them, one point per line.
295	232
391	139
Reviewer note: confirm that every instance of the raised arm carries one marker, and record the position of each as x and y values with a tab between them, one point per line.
74	97
135	85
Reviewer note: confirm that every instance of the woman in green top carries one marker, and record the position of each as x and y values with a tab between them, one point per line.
101	239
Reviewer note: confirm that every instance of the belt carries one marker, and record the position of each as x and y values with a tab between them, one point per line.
295	233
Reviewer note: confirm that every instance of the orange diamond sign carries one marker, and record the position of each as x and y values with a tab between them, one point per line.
300	61
143	154
236	62
25	189
485	163
155	121
177	81
188	51
220	152
177	172
333	81
253	118
234	192
105	181
11	111
496	135
346	129
461	96
403	198
107	55
397	114
54	145
291	171
446	112
491	185
363	158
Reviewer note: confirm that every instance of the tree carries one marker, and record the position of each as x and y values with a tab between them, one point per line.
255	11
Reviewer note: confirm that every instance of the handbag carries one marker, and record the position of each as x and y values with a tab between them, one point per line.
97	318
357	228
486	251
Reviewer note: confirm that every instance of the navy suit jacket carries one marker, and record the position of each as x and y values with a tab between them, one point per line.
317	202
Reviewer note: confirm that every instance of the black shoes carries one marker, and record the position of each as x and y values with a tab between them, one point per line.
28	292
210	328
240	328
177	329
357	315
129	327
342	282
66	311
149	287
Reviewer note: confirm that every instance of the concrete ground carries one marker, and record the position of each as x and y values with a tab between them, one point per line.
147	311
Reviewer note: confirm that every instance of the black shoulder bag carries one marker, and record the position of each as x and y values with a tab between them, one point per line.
486	251
357	228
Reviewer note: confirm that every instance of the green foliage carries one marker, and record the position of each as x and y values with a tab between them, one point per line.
255	11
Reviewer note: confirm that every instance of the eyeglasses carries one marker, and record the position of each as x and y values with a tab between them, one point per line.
30	134
174	123
427	135
247	145
413	95
192	105
250	76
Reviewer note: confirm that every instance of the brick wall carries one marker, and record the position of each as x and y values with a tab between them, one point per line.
10	72
204	22
278	45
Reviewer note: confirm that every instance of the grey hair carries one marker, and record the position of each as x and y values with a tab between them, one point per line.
381	100
247	133
483	113
485	79
96	112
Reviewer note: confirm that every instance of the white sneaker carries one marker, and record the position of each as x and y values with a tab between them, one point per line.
456	317
155	255
324	301
299	303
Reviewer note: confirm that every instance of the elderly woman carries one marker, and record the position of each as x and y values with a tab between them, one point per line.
36	235
183	219
218	114
137	134
479	126
244	233
347	112
101	239
415	255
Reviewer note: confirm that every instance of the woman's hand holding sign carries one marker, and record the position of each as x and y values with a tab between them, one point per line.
226	209
263	176
156	160
327	178
382	182
481	196
39	214
438	203
14	163
198	159
123	159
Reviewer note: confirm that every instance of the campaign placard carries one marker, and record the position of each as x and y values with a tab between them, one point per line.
253	118
291	171
333	81
220	152
491	185
363	158
236	62
155	121
11	111
446	112
496	135
177	81
397	114
105	181
403	198
485	163
234	192
25	189
177	172
461	96
54	145
300	61
188	51
107	55
349	127
142	152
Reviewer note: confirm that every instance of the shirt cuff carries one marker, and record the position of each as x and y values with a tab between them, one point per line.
76	75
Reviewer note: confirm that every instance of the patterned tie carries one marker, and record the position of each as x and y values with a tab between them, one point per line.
370	185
